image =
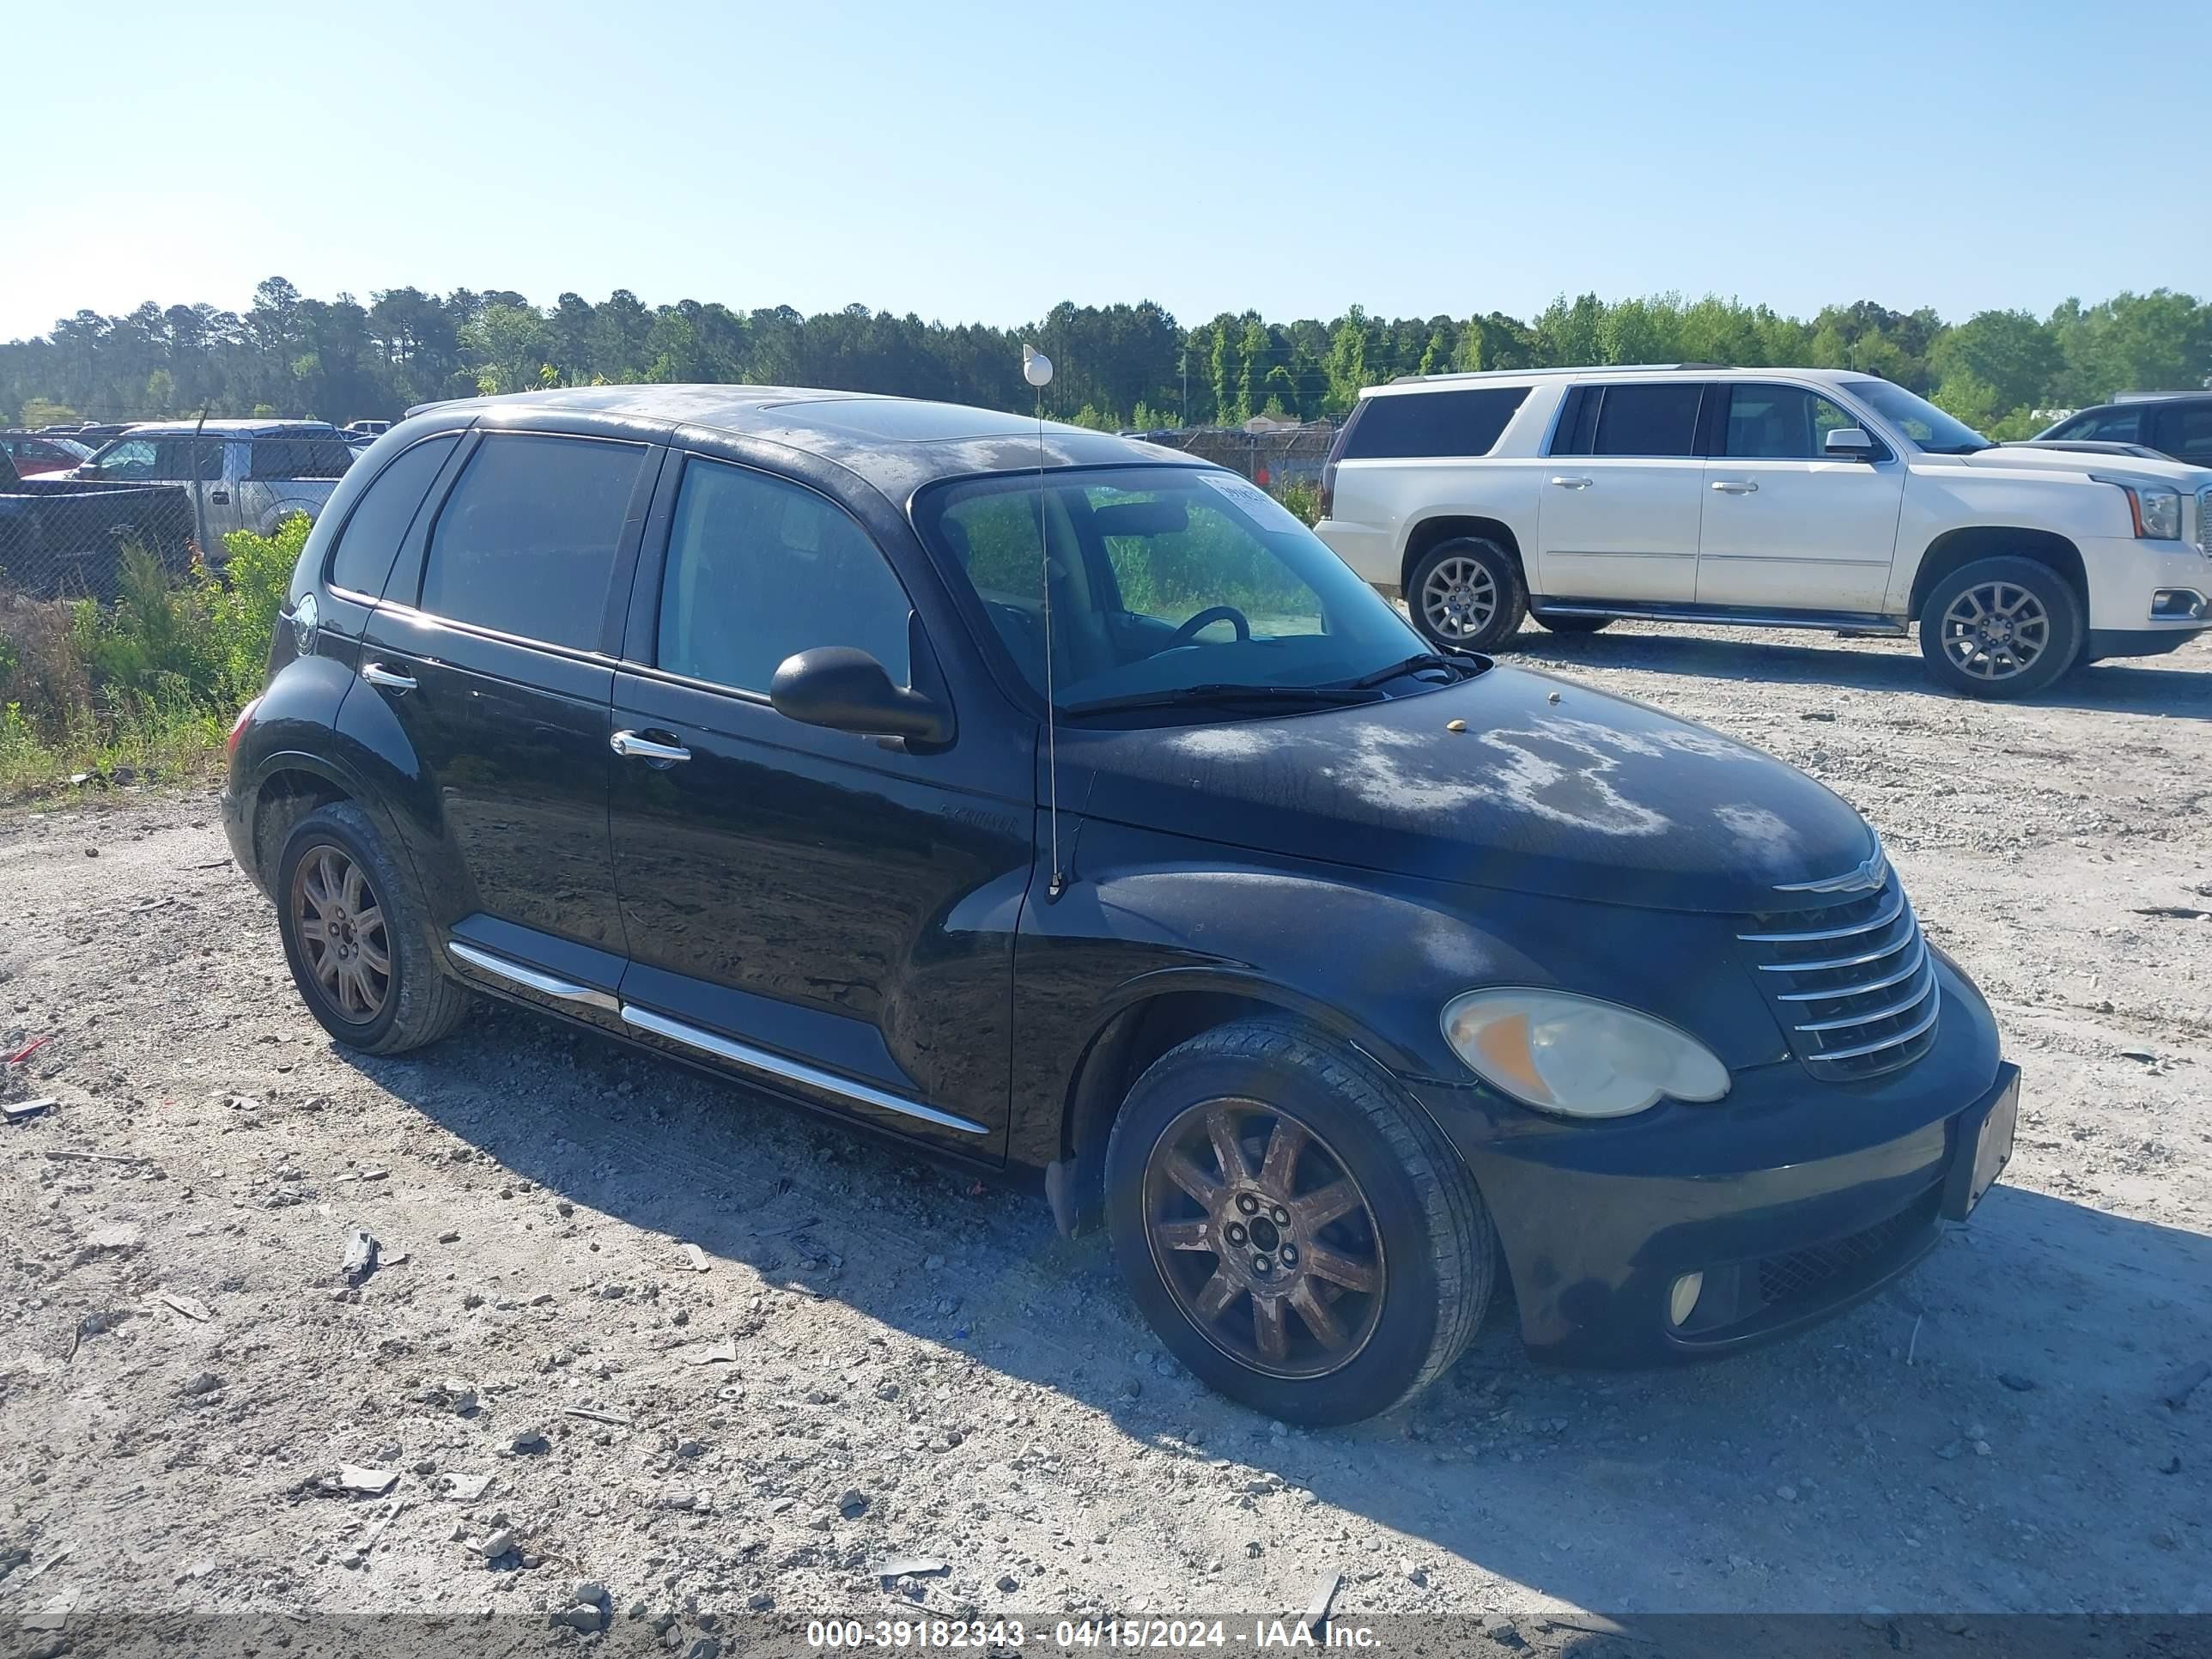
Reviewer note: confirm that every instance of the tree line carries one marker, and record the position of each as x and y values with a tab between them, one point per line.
1118	366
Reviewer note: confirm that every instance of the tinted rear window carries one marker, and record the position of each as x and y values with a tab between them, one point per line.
1648	420
372	535
1414	425
527	542
280	459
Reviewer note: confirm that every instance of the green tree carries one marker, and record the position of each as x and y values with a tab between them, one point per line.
2010	353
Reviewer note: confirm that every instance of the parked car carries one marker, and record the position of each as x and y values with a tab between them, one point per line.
2178	424
250	475
63	539
370	429
1773	497
1336	976
33	453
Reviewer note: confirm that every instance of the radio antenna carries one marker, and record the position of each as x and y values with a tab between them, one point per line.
1036	369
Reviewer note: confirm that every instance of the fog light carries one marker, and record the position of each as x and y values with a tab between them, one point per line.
1682	1300
2176	605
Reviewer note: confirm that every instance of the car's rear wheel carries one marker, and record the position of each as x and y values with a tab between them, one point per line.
1574	624
355	936
2005	627
1296	1231
1466	594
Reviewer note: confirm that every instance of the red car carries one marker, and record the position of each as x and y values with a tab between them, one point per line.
33	453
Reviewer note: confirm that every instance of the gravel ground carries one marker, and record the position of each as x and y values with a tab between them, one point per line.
868	1358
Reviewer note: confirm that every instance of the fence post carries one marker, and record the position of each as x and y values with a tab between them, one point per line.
199	497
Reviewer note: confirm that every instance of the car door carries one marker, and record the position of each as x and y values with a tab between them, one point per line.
287	474
1618	515
489	651
831	911
1786	528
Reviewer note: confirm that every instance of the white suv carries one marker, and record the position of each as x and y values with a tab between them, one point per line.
1796	497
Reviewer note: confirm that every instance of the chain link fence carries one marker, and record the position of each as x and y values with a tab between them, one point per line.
1274	459
173	488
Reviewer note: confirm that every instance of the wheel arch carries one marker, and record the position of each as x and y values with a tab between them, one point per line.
1146	1018
1427	533
1956	549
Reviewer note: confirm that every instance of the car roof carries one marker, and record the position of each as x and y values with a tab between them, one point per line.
898	444
234	429
2141	400
1414	383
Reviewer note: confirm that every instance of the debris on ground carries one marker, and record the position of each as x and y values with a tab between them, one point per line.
374	1482
22	1111
360	1256
909	1566
187	1307
29	1048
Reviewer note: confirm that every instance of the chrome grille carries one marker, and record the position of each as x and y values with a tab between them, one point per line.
2204	518
1853	982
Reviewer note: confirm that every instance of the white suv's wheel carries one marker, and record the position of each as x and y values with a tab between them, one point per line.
2001	628
1466	594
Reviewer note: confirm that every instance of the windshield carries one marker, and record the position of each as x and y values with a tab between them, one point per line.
1163	579
1918	419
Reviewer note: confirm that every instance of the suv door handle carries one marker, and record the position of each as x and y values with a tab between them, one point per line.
1735	486
220	497
388	679
1572	483
629	742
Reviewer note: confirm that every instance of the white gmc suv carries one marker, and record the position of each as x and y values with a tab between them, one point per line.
1796	497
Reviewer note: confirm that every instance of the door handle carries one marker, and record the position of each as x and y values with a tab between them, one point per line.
1735	487
220	497
388	679
1573	483
629	744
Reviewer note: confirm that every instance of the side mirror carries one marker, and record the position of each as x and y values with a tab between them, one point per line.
1850	443
846	689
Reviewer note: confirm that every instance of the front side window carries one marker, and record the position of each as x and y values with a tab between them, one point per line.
127	457
760	568
1421	425
1917	418
525	544
1779	423
1161	578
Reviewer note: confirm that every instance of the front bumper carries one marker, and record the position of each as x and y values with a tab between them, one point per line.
2139	594
1794	1198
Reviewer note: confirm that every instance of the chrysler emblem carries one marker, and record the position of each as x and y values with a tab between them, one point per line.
1868	877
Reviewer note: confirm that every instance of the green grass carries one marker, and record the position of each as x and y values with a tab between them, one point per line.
150	743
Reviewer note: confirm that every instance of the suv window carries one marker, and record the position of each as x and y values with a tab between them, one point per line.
2109	426
300	458
1414	425
526	544
379	521
760	568
1648	420
1779	423
2187	434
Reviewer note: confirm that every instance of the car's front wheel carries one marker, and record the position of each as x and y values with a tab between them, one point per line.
356	938
1466	594
1296	1232
2006	627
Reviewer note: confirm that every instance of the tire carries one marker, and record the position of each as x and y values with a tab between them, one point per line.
336	851
1466	594
1415	1228
1574	624
2030	628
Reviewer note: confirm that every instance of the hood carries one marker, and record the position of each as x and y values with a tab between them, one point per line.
2021	457
1551	788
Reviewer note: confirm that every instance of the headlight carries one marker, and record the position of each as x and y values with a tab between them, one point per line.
1562	1053
2156	509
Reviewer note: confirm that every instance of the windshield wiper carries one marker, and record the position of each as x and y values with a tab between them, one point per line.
1411	665
1185	696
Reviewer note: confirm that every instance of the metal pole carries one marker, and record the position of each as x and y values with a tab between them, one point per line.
199	496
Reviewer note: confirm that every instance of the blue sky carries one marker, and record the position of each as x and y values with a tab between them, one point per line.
975	161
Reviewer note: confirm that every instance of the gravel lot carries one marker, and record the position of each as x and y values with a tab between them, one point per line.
910	1365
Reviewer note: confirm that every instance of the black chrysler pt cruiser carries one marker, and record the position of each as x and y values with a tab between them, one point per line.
1334	977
